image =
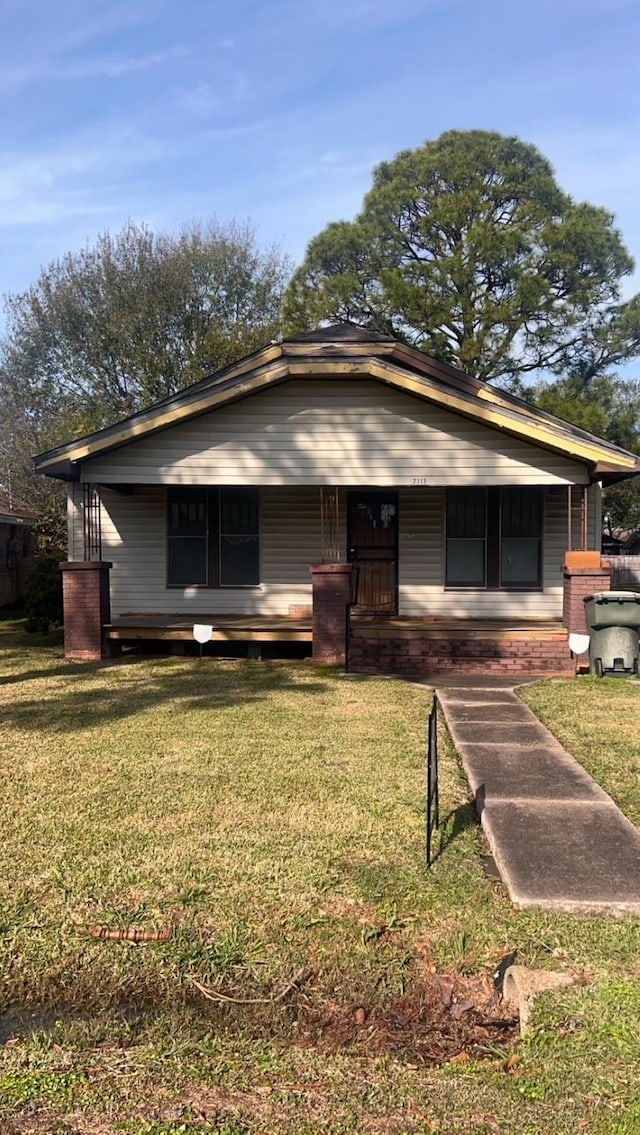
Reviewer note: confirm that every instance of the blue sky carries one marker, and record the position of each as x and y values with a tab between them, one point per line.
168	112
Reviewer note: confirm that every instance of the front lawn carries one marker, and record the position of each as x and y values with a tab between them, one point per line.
599	721
266	823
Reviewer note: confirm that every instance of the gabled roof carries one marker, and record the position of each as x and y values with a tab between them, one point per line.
345	351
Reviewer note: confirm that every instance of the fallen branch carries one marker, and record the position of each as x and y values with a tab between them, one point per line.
125	934
214	995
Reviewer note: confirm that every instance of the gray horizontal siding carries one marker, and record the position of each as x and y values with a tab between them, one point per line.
344	433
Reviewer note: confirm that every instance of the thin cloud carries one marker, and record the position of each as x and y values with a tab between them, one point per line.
368	13
17	78
107	67
199	100
84	27
50	40
116	67
81	179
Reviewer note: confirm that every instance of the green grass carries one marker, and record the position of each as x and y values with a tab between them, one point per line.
599	721
271	817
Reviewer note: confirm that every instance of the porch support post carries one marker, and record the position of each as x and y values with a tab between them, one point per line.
87	607
584	574
331	599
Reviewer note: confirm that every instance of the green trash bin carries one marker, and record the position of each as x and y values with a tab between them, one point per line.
613	619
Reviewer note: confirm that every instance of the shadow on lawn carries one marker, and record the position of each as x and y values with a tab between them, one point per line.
458	821
81	696
57	669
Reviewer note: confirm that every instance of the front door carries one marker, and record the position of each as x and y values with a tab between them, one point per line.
372	538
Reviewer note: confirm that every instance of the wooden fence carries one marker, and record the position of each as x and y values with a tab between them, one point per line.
625	573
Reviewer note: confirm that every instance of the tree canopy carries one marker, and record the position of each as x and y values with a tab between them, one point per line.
609	407
136	316
120	324
468	249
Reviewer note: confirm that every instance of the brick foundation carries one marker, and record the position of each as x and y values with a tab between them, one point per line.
331	597
85	589
579	583
426	657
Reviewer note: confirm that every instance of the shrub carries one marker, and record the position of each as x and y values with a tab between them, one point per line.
43	599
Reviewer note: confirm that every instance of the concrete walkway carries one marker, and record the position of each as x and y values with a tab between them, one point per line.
557	839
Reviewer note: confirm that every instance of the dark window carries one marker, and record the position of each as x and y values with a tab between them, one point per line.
494	538
213	537
239	538
467	538
187	537
520	538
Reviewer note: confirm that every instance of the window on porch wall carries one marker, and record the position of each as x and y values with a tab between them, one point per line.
494	538
213	537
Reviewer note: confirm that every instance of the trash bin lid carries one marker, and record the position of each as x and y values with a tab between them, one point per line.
616	597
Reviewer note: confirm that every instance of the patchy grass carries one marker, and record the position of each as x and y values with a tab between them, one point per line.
271	819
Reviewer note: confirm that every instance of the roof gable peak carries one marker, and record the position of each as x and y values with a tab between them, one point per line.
341	333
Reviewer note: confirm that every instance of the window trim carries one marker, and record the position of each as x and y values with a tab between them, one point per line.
493	541
213	538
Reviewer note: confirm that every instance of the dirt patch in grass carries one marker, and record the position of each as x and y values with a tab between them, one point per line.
437	1018
440	1017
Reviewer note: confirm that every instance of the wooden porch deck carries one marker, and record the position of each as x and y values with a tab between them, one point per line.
135	627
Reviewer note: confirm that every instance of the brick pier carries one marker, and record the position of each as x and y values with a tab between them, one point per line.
85	589
584	574
331	596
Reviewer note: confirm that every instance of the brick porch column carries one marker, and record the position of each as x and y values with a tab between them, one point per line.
87	607
584	574
331	596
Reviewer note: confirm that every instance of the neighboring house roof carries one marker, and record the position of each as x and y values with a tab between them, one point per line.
12	512
346	351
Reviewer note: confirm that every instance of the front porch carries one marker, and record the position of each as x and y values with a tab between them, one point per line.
386	597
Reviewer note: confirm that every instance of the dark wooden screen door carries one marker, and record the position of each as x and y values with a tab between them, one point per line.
372	536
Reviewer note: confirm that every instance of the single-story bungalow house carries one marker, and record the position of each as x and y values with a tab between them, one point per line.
342	488
16	548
